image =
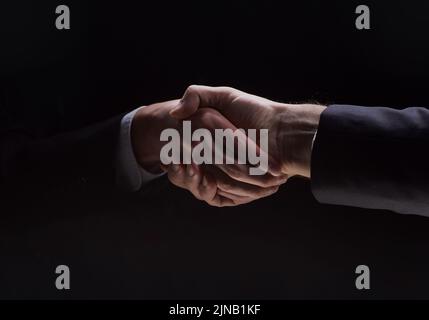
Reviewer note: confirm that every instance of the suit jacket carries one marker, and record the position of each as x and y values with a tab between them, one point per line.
59	118
372	158
74	159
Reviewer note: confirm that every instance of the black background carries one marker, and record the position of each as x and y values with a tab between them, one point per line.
121	54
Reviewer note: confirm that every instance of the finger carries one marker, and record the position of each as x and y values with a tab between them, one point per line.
221	201
237	200
209	191
245	189
259	167
244	148
207	188
234	197
227	184
241	192
185	177
190	177
200	96
193	179
203	187
240	173
176	175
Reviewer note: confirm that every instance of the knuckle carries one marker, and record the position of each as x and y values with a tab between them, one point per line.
176	178
267	181
172	179
227	89
197	195
272	190
213	204
172	176
204	195
192	89
260	192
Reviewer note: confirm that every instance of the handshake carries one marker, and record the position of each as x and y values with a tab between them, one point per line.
225	174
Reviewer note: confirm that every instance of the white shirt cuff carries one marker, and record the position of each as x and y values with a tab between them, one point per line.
129	175
314	139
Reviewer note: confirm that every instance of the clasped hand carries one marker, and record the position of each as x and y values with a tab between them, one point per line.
221	184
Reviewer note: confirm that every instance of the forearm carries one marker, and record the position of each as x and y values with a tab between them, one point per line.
373	158
74	159
358	156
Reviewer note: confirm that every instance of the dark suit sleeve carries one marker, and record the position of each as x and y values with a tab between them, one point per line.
372	157
81	159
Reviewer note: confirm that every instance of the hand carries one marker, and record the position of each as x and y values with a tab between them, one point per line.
291	127
208	182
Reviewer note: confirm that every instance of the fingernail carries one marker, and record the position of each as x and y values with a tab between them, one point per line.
191	171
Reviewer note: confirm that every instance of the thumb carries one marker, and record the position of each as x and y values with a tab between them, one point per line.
188	105
202	96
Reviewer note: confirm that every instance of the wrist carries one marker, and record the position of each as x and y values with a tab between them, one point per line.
297	125
146	128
